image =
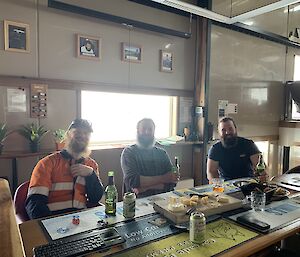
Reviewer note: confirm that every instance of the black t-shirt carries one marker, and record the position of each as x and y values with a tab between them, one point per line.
234	162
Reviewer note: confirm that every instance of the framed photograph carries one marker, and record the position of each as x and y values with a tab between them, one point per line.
131	53
16	36
88	47
166	61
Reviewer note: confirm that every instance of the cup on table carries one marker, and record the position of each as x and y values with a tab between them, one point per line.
218	185
258	200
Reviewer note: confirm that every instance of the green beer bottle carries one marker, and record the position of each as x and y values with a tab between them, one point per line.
260	167
175	169
111	194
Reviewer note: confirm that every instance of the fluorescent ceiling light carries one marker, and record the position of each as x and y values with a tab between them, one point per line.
190	8
296	8
249	23
262	10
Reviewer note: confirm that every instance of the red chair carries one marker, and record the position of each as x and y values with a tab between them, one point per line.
19	201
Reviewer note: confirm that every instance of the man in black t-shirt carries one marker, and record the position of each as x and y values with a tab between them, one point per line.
232	157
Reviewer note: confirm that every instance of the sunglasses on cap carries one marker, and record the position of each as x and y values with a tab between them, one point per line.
81	123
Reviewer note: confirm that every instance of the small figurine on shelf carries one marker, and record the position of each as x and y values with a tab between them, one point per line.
186	133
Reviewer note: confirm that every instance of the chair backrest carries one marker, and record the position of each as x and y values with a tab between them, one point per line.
19	201
293	170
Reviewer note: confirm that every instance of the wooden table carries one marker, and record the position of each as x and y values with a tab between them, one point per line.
33	235
10	240
290	181
30	235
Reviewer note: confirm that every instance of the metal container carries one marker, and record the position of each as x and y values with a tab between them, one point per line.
129	205
197	227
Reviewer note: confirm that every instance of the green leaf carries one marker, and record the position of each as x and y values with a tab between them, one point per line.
33	132
59	135
4	133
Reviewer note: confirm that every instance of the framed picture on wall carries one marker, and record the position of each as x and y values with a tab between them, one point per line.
88	47
166	61
16	36
131	53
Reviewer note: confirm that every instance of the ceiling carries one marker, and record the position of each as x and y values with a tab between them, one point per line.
268	6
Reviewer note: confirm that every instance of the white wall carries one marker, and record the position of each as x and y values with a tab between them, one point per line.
251	71
53	43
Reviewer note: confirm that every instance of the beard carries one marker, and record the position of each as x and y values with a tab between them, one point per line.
145	141
229	141
77	148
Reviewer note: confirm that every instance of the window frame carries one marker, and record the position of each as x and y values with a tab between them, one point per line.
292	101
174	116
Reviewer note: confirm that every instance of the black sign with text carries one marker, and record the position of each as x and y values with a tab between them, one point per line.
147	229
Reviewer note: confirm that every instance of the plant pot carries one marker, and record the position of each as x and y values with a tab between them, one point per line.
59	146
34	147
1	147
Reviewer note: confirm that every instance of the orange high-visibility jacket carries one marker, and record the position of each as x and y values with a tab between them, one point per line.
52	177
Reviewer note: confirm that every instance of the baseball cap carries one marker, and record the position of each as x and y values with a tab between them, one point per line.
81	123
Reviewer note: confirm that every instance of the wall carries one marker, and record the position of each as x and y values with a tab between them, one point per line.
280	21
52	56
250	72
53	47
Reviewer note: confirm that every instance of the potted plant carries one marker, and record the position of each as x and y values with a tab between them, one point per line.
59	135
3	135
34	134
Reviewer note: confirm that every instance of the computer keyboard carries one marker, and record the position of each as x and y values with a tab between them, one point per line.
80	244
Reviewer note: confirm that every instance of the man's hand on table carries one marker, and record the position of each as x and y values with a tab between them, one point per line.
171	177
81	170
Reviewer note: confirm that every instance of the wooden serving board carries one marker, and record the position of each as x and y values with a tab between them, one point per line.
213	207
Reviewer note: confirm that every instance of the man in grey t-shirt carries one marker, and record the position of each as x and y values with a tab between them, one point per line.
147	168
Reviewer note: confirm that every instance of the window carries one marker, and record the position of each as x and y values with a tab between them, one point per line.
114	115
295	114
297	68
263	146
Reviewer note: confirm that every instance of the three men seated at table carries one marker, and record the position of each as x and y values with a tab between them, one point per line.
65	181
233	156
147	169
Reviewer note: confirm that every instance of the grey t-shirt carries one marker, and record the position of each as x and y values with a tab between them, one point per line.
136	161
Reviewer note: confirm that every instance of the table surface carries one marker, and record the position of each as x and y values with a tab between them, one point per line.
290	181
10	244
33	235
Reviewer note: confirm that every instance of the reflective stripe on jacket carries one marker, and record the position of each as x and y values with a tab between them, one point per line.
52	177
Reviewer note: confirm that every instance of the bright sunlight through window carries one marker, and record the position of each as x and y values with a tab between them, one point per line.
297	68
295	114
114	116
